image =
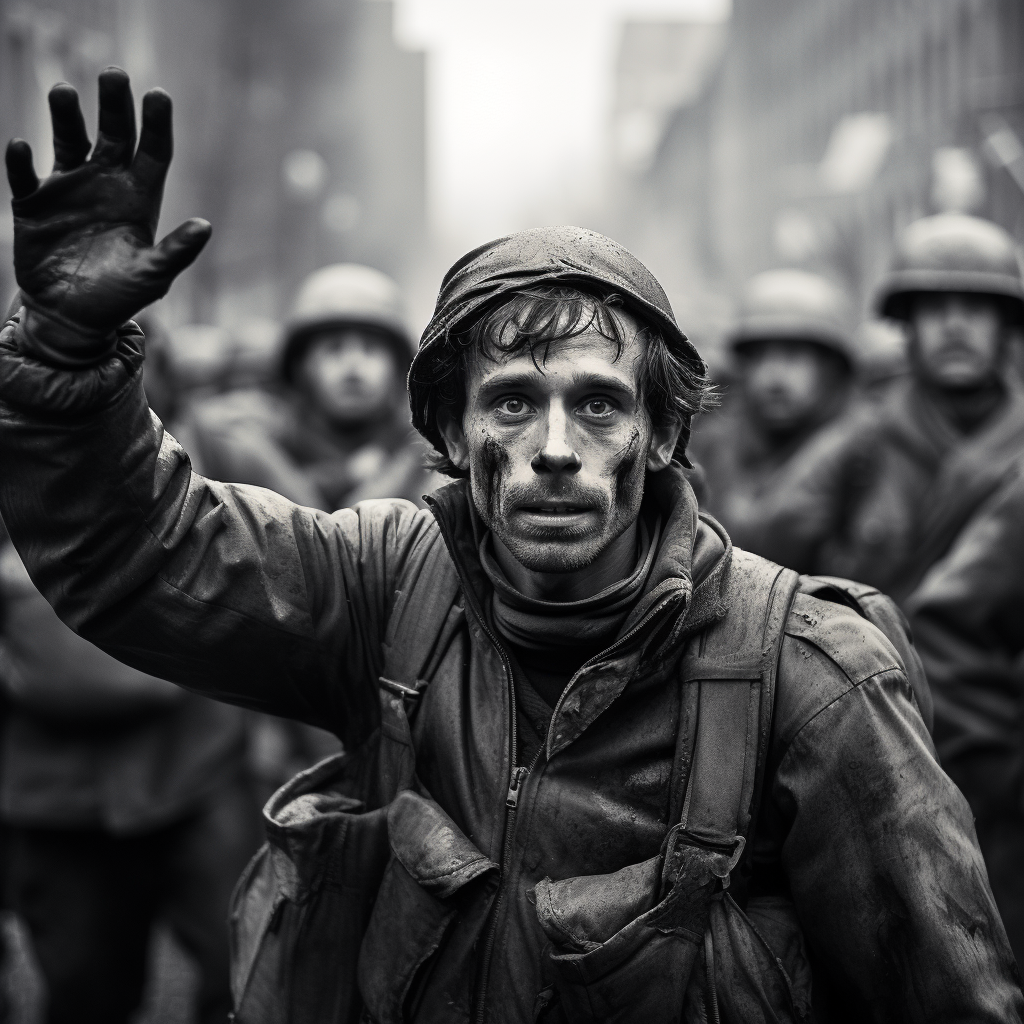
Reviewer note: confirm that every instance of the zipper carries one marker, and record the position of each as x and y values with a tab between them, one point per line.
516	780
517	773
518	777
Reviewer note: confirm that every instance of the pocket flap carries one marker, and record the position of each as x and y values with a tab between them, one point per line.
584	911
431	847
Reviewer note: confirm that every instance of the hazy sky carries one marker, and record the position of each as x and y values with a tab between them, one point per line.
518	99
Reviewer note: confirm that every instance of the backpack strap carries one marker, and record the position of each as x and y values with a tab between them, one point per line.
424	617
735	663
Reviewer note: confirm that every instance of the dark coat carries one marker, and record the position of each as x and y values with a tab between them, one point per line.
276	441
878	496
915	481
88	742
763	494
968	622
237	593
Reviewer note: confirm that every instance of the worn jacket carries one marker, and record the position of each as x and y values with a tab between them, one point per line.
968	622
235	592
272	440
90	743
764	495
881	495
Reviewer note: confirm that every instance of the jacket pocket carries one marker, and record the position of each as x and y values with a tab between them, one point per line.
300	909
761	971
619	951
436	893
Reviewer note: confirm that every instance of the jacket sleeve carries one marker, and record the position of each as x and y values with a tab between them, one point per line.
229	590
968	621
879	850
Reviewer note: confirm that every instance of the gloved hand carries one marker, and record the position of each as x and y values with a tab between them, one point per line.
83	238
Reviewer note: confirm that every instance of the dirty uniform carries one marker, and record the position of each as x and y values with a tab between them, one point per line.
275	440
118	810
882	493
763	493
867	854
968	622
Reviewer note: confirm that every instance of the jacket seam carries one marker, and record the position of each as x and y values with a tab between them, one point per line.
835	700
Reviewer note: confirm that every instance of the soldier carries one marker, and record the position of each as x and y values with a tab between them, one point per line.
337	428
792	354
908	478
622	730
968	621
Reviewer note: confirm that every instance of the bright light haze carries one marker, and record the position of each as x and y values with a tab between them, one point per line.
518	96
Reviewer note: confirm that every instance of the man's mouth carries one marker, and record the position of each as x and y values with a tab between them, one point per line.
554	508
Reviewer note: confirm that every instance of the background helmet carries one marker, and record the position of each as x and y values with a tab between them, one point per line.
952	252
346	295
794	305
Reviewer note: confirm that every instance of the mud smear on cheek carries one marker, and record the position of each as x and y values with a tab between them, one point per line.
494	463
629	456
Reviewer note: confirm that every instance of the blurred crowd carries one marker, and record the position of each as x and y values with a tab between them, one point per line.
888	452
124	800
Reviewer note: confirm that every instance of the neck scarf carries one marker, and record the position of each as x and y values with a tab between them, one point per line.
538	625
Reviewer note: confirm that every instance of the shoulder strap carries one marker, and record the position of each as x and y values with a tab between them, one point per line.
423	619
734	663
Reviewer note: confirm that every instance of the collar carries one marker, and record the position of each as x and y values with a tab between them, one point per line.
687	573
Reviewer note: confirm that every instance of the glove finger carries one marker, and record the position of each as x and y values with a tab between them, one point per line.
20	172
70	142
175	251
156	142
115	143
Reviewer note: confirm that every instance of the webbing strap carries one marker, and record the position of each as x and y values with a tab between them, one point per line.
735	664
416	625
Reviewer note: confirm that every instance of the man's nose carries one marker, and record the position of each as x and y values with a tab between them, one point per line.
556	454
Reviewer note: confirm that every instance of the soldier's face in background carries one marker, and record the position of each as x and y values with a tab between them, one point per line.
786	383
957	339
352	376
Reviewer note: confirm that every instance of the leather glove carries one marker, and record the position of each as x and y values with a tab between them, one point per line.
83	238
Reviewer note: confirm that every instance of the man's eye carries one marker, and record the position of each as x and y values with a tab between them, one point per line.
512	406
597	407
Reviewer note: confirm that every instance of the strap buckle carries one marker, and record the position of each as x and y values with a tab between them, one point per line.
399	689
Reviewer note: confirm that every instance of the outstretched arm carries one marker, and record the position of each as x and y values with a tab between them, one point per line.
230	590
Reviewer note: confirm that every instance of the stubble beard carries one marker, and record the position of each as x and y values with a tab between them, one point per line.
560	550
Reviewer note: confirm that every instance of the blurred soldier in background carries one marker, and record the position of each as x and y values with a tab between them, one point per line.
910	477
968	622
334	430
793	379
338	429
124	800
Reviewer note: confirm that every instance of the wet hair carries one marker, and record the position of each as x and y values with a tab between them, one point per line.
672	389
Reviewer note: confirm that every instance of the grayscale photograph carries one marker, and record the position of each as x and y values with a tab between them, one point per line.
512	512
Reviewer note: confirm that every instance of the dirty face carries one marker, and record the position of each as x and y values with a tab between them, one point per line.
957	339
786	383
352	376
557	448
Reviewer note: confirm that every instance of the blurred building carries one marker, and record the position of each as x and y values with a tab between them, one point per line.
662	134
299	129
842	120
824	128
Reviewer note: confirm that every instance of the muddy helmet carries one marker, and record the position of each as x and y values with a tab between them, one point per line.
794	305
346	295
952	252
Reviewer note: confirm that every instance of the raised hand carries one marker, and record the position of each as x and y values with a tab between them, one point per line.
84	252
